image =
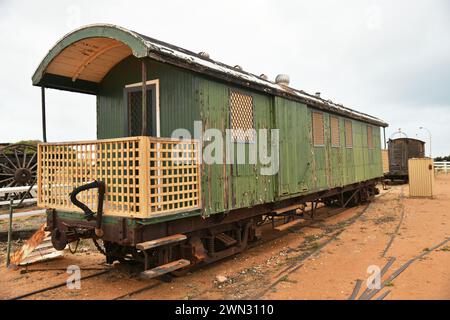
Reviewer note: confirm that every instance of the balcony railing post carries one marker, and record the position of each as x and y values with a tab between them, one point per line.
144	175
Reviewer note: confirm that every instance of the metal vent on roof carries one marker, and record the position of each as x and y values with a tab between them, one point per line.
204	54
238	67
282	79
318	94
264	76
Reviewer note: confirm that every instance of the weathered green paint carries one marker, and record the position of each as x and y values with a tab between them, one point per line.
292	120
231	186
177	95
186	96
77	216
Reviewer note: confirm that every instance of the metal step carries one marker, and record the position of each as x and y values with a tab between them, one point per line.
161	242
288	225
226	239
165	268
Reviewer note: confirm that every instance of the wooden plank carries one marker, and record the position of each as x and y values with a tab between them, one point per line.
28	201
289	208
288	225
166	268
17	189
226	239
161	242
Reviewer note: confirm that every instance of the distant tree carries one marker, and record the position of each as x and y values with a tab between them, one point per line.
446	158
29	142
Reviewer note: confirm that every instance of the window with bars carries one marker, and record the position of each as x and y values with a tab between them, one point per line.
369	137
335	134
133	96
348	134
318	129
241	110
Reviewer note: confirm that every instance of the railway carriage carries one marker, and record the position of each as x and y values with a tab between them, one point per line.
145	187
399	151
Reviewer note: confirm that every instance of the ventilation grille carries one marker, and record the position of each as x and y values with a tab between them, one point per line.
318	135
335	134
241	108
348	134
369	137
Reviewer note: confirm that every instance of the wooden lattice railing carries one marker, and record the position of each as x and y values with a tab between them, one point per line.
144	176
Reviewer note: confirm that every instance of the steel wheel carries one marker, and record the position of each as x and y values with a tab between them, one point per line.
18	166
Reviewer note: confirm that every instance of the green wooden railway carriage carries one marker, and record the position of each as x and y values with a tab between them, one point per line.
146	187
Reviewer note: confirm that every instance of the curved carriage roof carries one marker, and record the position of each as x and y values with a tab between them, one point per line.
80	60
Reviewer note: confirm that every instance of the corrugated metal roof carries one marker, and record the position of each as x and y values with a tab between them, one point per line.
196	60
183	58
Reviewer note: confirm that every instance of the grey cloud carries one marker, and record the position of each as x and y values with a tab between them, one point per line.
389	59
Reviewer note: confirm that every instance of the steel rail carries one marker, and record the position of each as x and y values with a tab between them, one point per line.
56	286
397	229
386	267
404	267
299	263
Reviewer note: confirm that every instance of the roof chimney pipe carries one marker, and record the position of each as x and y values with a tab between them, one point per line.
282	79
204	54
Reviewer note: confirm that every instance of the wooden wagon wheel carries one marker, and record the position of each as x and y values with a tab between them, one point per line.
18	167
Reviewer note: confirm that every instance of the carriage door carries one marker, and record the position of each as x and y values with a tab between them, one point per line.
133	99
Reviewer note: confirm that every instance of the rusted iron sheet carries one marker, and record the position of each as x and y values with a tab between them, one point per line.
37	248
169	267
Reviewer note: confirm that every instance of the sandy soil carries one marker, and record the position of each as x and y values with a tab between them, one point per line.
319	261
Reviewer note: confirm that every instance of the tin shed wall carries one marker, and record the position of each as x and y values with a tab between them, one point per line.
421	177
385	159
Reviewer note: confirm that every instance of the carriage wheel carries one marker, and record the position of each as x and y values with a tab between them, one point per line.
18	167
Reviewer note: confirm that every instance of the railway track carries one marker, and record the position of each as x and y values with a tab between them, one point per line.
57	286
298	263
397	229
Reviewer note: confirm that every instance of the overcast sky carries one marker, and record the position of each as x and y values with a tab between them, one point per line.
390	59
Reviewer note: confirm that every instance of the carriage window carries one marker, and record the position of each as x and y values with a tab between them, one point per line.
369	137
335	134
348	134
133	100
241	110
317	124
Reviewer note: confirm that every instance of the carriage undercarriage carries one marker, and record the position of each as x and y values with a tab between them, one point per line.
176	247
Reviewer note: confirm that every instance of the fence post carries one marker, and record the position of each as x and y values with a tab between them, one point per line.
10	227
445	166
